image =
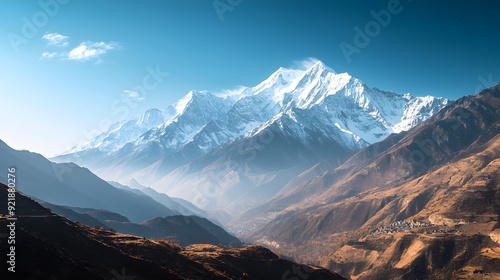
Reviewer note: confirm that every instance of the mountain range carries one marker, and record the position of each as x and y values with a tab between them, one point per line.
178	229
70	184
312	164
242	149
81	196
421	204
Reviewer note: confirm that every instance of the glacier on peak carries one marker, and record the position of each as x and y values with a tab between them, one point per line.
302	104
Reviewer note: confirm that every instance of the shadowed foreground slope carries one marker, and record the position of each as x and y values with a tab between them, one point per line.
49	246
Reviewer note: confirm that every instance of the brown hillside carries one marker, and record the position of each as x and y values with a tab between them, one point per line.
444	172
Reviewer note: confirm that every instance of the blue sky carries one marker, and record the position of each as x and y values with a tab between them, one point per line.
71	70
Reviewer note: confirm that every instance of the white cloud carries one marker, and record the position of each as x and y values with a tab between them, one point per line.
231	92
133	95
84	51
56	39
49	54
88	50
307	63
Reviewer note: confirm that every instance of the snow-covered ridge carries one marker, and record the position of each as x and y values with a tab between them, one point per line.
305	103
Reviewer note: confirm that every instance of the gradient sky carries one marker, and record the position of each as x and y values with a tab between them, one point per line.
57	89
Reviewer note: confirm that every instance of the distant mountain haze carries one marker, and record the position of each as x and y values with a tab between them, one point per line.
228	154
69	184
182	230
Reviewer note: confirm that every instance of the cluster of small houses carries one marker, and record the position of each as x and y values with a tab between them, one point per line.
400	226
442	231
405	226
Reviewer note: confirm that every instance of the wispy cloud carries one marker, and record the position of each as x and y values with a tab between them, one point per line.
88	50
133	95
307	63
56	39
49	54
304	64
231	92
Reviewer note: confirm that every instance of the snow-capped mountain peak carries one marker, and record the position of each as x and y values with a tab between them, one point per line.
184	102
151	118
278	81
317	85
303	104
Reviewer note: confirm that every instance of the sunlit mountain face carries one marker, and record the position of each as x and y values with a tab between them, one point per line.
250	140
254	141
